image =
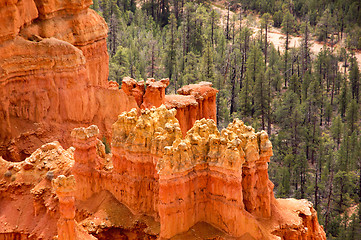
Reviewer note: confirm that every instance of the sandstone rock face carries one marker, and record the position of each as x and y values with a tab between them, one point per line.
35	203
68	228
54	74
27	203
211	165
138	142
156	183
206	99
194	102
219	178
187	110
50	8
15	14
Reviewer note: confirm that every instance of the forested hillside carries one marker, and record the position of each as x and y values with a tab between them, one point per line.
308	103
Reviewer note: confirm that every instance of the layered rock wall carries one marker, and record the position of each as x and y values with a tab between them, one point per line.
53	74
206	99
155	93
14	15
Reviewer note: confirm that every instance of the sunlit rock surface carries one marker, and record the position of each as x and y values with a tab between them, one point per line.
53	74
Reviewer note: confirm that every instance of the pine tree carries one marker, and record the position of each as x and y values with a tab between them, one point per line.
170	60
261	86
305	45
354	78
213	19
190	73
287	28
244	40
111	14
266	21
325	26
336	130
352	115
207	64
343	98
254	71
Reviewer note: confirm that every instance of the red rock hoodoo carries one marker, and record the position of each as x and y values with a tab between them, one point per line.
193	102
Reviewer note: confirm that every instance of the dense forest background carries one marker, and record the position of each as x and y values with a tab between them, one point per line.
308	103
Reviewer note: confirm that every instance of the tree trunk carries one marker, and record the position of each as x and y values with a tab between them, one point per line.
286	58
329	199
265	45
269	130
153	62
233	83
227	24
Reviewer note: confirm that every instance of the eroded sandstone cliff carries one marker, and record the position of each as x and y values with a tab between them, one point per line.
53	74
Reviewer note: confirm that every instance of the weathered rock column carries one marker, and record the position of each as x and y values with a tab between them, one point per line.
205	96
133	88
249	174
85	141
138	142
264	191
155	93
64	188
86	161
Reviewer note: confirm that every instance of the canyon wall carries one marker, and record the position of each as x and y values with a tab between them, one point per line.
53	74
217	179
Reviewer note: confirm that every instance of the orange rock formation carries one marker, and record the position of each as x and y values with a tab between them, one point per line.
194	102
64	188
212	177
53	74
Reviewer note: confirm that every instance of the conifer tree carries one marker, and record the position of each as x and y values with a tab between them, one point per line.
266	21
287	28
354	78
325	26
170	60
352	115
